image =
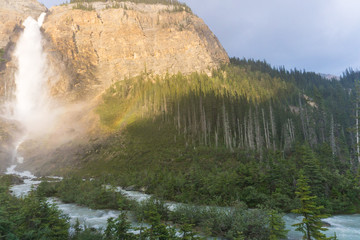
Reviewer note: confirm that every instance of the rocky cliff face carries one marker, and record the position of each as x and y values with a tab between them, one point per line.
107	44
87	51
90	50
12	13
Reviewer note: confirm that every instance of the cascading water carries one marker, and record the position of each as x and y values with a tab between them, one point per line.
30	106
15	155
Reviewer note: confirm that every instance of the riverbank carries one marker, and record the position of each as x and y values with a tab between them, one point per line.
347	227
221	222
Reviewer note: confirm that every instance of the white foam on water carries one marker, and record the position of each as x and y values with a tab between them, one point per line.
86	216
26	174
137	196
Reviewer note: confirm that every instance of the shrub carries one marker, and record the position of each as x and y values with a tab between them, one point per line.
88	193
81	6
143	209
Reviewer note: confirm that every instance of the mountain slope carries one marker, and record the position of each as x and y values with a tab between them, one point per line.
113	42
241	135
90	49
238	131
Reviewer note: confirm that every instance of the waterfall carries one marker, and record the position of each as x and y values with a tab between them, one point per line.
30	106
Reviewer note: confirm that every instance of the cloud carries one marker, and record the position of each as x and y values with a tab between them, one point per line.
319	36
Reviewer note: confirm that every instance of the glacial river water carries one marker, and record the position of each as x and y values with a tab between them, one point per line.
347	227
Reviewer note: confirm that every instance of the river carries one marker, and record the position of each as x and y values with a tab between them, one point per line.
347	227
90	218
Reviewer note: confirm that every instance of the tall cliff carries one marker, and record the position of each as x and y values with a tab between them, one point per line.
107	44
89	48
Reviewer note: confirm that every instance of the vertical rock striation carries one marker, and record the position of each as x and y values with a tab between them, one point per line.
107	44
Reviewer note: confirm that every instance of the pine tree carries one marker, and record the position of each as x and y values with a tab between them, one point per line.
277	226
187	233
311	225
158	230
119	228
357	135
312	170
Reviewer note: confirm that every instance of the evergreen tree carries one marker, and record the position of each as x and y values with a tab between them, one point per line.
357	136
311	225
118	228
187	233
277	226
311	166
158	230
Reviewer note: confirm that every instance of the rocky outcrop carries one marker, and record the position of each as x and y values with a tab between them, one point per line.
13	13
107	44
9	132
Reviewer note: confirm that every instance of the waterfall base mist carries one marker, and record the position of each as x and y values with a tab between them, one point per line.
41	122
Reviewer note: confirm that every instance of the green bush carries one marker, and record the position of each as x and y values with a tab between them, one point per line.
119	229
143	209
88	234
30	218
213	221
90	193
46	189
2	52
81	6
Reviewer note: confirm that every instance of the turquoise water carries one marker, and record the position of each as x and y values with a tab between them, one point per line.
347	227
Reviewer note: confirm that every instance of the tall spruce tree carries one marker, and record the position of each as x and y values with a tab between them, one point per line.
311	224
312	170
357	135
277	226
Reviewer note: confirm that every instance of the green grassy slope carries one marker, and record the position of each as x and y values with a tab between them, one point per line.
241	135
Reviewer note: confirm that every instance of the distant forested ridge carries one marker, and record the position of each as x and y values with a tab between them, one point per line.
242	134
247	105
177	6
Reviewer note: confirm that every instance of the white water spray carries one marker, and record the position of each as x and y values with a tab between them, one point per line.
40	117
31	106
15	155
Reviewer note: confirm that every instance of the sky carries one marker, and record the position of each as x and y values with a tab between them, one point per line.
315	35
